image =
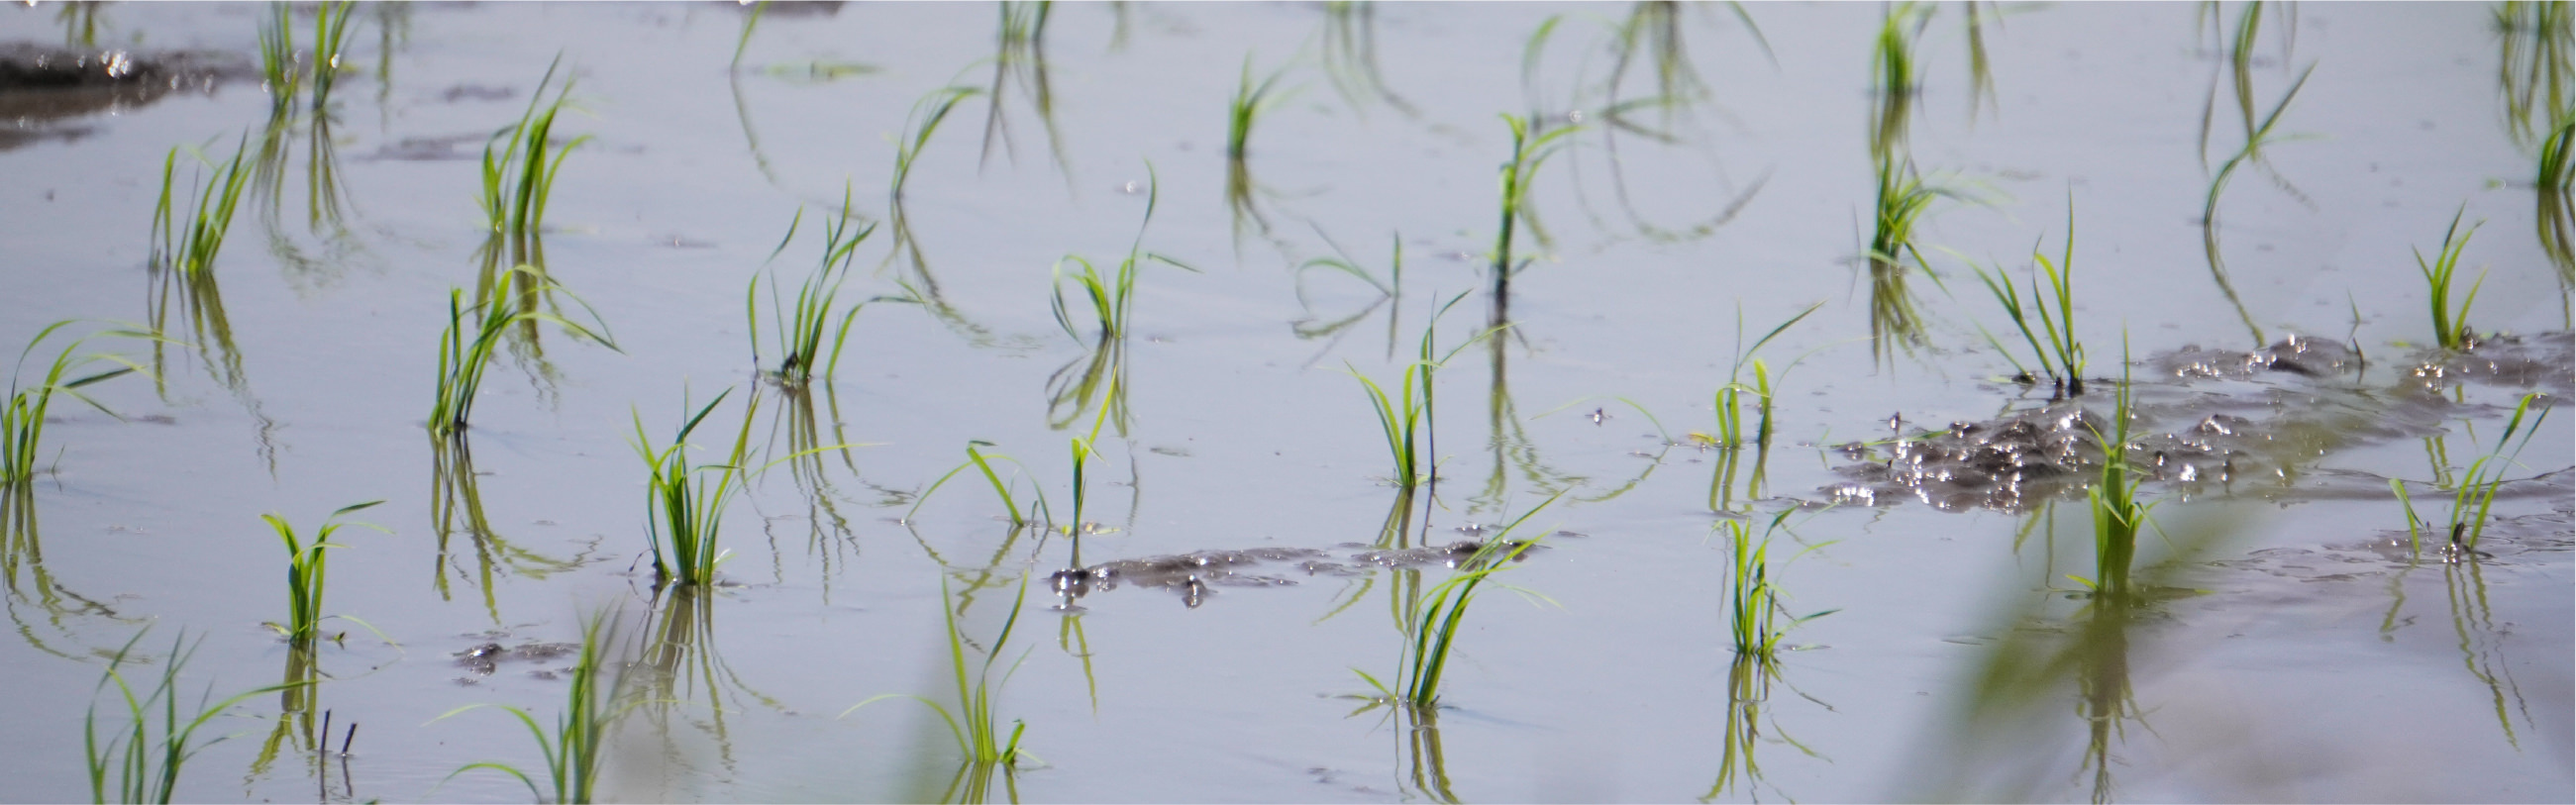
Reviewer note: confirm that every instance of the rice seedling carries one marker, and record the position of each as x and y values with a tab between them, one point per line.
983	463
1406	418
22	422
2450	326
2537	43
1111	297
1390	293
2062	360
279	71
1417	685
1900	31
519	165
2474	493
1652	33
1755	605
1532	144
1730	439
1895	322
307	572
2257	135
574	748
685	513
801	327
465	348
330	36
1250	101
985	750
1981	77
142	762
923	286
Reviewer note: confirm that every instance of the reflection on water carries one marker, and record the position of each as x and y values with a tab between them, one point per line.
1748	716
32	586
1349	42
680	671
456	505
1019	58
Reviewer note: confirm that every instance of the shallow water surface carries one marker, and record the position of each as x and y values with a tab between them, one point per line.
1199	606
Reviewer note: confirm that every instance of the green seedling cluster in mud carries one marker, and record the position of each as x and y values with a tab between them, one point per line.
1250	101
2062	360
22	423
801	327
2450	325
307	572
574	748
1729	406
1754	601
520	162
189	253
2473	493
685	511
1444	614
1406	418
1903	198
141	761
1112	295
475	331
2113	498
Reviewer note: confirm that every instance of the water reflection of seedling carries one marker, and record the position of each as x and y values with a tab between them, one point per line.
1020	56
2257	135
1417	685
1903	198
1350	56
141	763
680	658
1250	101
574	748
182	263
973	723
2537	43
474	331
801	328
1900	31
307	571
919	125
684	510
1748	696
1390	292
456	504
2450	326
2062	360
2556	189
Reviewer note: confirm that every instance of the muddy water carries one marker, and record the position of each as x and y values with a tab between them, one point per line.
1240	551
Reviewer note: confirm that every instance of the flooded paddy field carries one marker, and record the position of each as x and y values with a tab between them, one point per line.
1127	402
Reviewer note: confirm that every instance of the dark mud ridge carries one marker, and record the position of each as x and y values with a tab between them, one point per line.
42	86
1195	575
2201	422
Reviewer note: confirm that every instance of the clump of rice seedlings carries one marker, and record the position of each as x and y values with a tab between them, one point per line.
1895	323
1443	615
1894	82
182	261
924	119
973	723
2473	492
1532	144
22	422
2062	359
141	762
2258	133
79	19
519	166
1250	101
1754	601
1111	297
801	328
1350	56
1729	406
685	510
1405	418
2450	326
474	331
1652	34
2117	514
307	572
2537	42
574	748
